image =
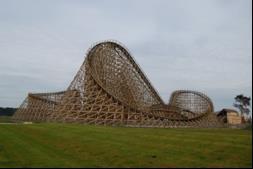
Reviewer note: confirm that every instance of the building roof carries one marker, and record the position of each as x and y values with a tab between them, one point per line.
229	110
225	111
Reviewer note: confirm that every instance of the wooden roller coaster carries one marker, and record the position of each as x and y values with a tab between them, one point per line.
111	89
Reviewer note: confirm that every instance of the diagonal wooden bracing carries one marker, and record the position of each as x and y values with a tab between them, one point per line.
111	89
37	107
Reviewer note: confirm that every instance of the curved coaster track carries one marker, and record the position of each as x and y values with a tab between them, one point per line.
111	89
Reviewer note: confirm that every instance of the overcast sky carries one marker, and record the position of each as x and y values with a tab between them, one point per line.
202	45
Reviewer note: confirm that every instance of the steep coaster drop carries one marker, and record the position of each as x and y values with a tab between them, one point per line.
111	89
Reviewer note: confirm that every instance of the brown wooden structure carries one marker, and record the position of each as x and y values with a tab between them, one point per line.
111	89
230	116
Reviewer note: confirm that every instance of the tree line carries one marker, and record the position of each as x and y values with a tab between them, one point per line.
7	111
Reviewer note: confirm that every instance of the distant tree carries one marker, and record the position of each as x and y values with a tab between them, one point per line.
250	120
242	103
7	111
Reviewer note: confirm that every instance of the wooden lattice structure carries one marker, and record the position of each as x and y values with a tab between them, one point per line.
111	89
38	106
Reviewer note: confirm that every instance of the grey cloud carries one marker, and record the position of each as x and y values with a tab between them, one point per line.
181	44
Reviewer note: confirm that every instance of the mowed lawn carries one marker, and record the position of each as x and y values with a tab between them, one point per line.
73	145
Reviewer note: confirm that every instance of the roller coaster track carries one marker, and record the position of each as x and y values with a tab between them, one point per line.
111	89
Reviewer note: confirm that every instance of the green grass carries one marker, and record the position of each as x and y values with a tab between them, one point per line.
72	145
5	119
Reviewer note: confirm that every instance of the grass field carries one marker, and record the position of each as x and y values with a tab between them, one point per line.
69	145
5	119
